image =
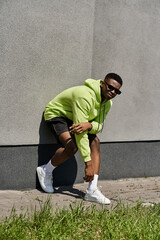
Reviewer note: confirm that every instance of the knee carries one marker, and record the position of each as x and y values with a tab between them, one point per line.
70	148
96	143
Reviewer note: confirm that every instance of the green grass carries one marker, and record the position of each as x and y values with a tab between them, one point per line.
80	223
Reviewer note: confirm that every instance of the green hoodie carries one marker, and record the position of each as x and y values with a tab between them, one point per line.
81	104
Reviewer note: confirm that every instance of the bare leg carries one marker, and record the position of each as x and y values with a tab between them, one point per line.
68	150
95	154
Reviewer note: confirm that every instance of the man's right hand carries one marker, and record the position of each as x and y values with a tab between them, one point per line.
81	127
89	172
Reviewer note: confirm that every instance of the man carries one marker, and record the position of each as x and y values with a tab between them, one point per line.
76	115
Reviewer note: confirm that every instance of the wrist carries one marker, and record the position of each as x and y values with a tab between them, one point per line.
89	126
88	164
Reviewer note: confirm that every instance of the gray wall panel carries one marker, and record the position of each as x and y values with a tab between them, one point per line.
46	47
127	41
118	160
49	46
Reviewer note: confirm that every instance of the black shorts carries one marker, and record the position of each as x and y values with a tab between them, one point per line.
60	125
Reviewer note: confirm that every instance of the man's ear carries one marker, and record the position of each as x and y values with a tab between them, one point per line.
102	83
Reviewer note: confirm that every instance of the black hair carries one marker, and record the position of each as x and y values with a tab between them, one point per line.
114	76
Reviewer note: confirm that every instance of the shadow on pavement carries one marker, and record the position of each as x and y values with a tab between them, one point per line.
70	191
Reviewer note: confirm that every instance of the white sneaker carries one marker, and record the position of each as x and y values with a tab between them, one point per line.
96	196
46	180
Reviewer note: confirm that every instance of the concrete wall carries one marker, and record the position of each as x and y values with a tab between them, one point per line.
48	46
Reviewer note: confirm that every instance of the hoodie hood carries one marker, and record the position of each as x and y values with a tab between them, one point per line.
95	86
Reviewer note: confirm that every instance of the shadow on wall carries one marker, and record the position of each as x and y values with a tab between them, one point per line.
63	175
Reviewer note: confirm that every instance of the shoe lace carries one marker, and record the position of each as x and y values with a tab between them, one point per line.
99	192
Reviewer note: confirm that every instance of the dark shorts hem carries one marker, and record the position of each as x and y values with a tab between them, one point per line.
59	125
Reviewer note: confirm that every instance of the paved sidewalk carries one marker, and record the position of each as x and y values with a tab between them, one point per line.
125	190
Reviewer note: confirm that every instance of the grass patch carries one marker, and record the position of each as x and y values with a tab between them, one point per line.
80	223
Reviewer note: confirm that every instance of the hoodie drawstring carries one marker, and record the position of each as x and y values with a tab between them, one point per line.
100	118
103	118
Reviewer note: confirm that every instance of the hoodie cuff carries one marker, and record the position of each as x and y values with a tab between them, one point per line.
87	159
96	127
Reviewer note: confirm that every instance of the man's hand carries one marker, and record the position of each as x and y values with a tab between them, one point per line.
79	128
89	172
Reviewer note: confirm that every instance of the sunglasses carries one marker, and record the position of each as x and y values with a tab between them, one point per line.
111	88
